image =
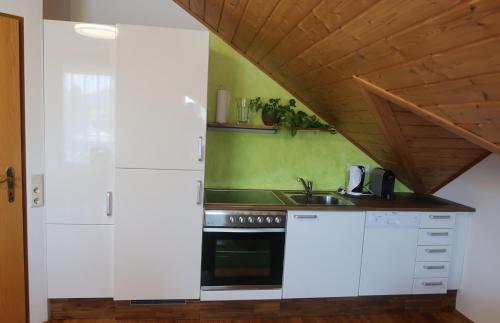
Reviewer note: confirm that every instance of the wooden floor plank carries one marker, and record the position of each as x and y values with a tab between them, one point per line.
434	317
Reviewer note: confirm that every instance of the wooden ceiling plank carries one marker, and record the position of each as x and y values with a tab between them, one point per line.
197	7
284	18
489	131
313	30
230	19
256	14
480	88
480	112
213	12
380	20
440	121
385	117
470	60
461	25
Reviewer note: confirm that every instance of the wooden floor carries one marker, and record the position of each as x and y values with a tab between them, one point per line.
436	317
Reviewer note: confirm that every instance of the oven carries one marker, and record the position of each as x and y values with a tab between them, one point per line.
243	250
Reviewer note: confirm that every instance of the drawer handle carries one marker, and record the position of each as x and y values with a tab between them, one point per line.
436	250
440	217
434	267
305	216
438	234
427	284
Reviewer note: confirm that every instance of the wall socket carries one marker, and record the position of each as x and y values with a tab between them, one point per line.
37	190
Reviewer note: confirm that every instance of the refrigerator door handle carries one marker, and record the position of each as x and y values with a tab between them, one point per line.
109	203
199	197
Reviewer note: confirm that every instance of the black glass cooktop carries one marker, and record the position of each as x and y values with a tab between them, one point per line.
248	197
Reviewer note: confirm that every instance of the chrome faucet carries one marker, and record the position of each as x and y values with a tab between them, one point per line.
308	186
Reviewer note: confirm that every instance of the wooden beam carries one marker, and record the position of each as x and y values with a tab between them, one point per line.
431	117
387	121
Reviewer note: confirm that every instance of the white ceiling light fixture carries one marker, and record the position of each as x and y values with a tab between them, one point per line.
97	31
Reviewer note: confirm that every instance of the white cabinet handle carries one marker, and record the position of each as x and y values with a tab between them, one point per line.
435	250
200	148
199	195
109	203
440	217
432	283
438	234
305	216
434	267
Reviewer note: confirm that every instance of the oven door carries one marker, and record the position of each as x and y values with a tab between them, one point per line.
242	258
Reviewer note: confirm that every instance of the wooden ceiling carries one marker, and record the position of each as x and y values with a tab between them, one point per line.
413	83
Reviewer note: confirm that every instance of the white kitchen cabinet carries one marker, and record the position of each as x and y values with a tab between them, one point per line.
389	252
322	254
161	96
79	261
79	125
158	233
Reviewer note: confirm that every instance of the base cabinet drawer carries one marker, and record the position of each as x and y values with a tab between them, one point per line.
438	237
430	285
433	253
431	269
437	220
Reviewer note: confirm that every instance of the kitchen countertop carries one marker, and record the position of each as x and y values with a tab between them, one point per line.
403	202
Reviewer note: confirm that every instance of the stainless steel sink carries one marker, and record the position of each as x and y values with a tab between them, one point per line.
317	199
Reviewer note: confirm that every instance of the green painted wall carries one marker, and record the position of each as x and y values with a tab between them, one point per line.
261	160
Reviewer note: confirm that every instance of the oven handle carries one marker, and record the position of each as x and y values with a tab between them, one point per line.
244	230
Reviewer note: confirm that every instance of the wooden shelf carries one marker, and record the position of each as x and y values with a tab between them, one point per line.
253	128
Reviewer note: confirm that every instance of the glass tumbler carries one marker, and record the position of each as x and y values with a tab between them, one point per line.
242	110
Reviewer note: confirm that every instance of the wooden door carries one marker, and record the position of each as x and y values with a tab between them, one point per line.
12	220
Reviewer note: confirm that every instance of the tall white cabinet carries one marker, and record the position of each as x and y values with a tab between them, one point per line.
79	150
125	147
160	146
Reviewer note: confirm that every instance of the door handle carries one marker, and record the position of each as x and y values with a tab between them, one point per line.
440	217
200	148
438	234
435	250
10	179
434	267
109	203
305	216
432	284
199	196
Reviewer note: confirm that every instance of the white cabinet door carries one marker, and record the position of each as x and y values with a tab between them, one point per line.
79	118
161	97
158	230
389	251
80	261
323	254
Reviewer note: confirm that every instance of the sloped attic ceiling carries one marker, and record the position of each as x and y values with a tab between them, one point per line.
414	83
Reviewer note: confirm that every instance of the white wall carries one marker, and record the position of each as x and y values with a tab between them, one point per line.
479	294
31	10
135	12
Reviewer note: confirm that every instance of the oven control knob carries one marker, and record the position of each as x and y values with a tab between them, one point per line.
250	219
241	219
260	219
231	219
277	219
269	219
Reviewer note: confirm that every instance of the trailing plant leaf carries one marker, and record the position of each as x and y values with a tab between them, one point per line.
287	117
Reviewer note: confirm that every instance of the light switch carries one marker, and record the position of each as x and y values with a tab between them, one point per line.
37	191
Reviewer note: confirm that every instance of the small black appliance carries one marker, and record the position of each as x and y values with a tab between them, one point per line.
382	183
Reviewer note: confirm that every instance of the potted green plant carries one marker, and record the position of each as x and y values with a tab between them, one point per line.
272	111
284	116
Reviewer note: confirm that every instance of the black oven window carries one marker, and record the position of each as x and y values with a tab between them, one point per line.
242	258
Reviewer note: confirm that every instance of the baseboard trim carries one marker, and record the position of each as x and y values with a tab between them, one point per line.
107	308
